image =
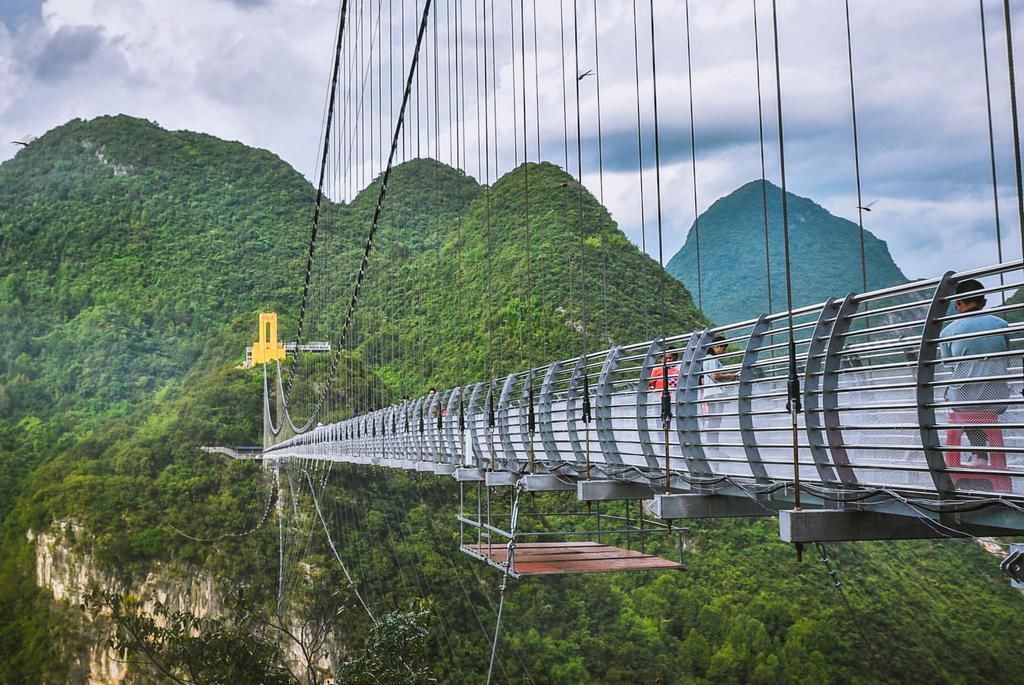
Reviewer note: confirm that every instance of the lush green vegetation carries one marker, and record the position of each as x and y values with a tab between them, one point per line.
744	611
824	254
126	309
506	290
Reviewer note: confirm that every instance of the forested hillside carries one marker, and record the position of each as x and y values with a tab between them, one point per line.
488	302
824	251
133	262
743	612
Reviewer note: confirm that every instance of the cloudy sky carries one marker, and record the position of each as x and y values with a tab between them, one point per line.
257	71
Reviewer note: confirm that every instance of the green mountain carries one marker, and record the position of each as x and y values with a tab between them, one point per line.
824	255
133	263
123	248
479	307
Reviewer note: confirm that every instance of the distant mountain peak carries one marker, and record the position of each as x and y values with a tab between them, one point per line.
824	251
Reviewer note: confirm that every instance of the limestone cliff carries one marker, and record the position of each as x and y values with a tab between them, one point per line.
67	568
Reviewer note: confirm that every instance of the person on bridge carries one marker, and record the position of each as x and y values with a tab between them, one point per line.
713	394
976	401
665	361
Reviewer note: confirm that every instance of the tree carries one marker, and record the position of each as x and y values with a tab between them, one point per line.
250	648
394	652
187	649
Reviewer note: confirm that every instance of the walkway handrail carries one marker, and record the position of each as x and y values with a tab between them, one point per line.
873	382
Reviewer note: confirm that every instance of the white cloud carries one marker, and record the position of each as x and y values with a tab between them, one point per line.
258	72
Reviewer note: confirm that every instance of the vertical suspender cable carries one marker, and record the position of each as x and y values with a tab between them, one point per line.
406	144
666	404
565	112
640	155
494	120
531	420
1014	118
515	112
856	153
460	121
380	82
453	83
693	159
571	257
487	233
600	176
536	115
319	194
370	66
793	384
391	65
597	78
419	100
1016	126
764	182
536	83
581	225
991	144
381	195
435	163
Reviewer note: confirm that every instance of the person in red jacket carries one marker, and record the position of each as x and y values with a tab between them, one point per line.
665	361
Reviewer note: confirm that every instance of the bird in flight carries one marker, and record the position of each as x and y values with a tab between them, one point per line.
585	74
867	207
24	142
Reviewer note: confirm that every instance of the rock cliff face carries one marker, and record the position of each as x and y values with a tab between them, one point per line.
67	569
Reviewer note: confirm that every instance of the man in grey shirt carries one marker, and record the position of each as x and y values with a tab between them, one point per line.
976	401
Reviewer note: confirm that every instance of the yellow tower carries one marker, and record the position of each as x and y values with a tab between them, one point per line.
268	348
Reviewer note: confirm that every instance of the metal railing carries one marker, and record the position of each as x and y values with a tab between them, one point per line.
875	413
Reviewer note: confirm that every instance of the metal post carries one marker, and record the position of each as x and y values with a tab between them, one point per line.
927	355
688	401
744	402
605	428
547	432
642	394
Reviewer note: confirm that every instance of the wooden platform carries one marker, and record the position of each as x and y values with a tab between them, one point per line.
539	558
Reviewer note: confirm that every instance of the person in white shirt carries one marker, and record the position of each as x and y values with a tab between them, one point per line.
712	394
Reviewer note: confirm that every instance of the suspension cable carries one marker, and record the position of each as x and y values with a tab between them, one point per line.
536	82
640	156
319	193
509	563
531	323
856	153
580	224
693	156
330	543
1014	118
991	145
600	177
666	403
760	137
382	194
793	384
1016	126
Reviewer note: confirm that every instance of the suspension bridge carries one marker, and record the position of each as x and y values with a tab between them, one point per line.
840	418
872	450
